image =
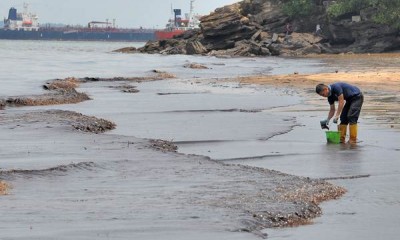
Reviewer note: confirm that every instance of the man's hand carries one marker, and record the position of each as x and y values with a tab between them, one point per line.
335	120
324	124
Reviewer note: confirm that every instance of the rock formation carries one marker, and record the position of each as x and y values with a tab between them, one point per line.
257	28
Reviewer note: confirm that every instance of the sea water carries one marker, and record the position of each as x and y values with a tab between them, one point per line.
25	65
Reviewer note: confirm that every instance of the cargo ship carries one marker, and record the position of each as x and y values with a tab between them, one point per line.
177	25
25	26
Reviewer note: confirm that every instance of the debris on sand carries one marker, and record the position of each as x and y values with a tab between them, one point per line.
63	91
162	145
283	200
310	193
68	83
195	66
57	96
82	122
60	92
60	117
91	124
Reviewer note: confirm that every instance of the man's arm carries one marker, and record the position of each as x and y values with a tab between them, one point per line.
340	106
325	122
331	112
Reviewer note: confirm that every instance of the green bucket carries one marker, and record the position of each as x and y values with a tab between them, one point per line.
333	136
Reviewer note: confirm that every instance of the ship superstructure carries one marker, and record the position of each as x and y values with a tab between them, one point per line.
177	25
25	21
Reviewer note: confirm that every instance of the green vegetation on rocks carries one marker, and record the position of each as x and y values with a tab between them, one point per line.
386	11
298	8
257	28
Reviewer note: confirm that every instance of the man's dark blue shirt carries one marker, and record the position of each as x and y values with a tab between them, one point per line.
340	88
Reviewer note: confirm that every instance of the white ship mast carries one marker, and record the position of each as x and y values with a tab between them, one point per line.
191	24
193	21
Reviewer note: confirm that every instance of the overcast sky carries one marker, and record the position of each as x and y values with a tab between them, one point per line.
128	13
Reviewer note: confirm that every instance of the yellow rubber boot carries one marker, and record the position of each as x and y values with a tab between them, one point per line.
353	134
343	130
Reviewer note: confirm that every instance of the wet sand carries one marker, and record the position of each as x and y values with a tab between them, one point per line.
377	75
110	185
369	171
61	162
125	184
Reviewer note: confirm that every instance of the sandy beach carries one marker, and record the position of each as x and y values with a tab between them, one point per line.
230	175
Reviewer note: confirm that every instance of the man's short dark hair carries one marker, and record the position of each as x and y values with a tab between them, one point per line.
320	87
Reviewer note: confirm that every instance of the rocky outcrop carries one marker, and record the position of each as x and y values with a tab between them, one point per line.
364	36
257	28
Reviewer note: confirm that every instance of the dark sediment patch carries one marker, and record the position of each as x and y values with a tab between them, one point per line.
53	118
346	177
280	133
67	83
159	75
274	155
58	96
56	171
281	200
60	92
63	91
81	122
126	88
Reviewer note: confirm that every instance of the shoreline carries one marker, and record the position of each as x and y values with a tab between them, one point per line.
380	88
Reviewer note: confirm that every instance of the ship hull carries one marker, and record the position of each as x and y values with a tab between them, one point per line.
161	35
77	35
